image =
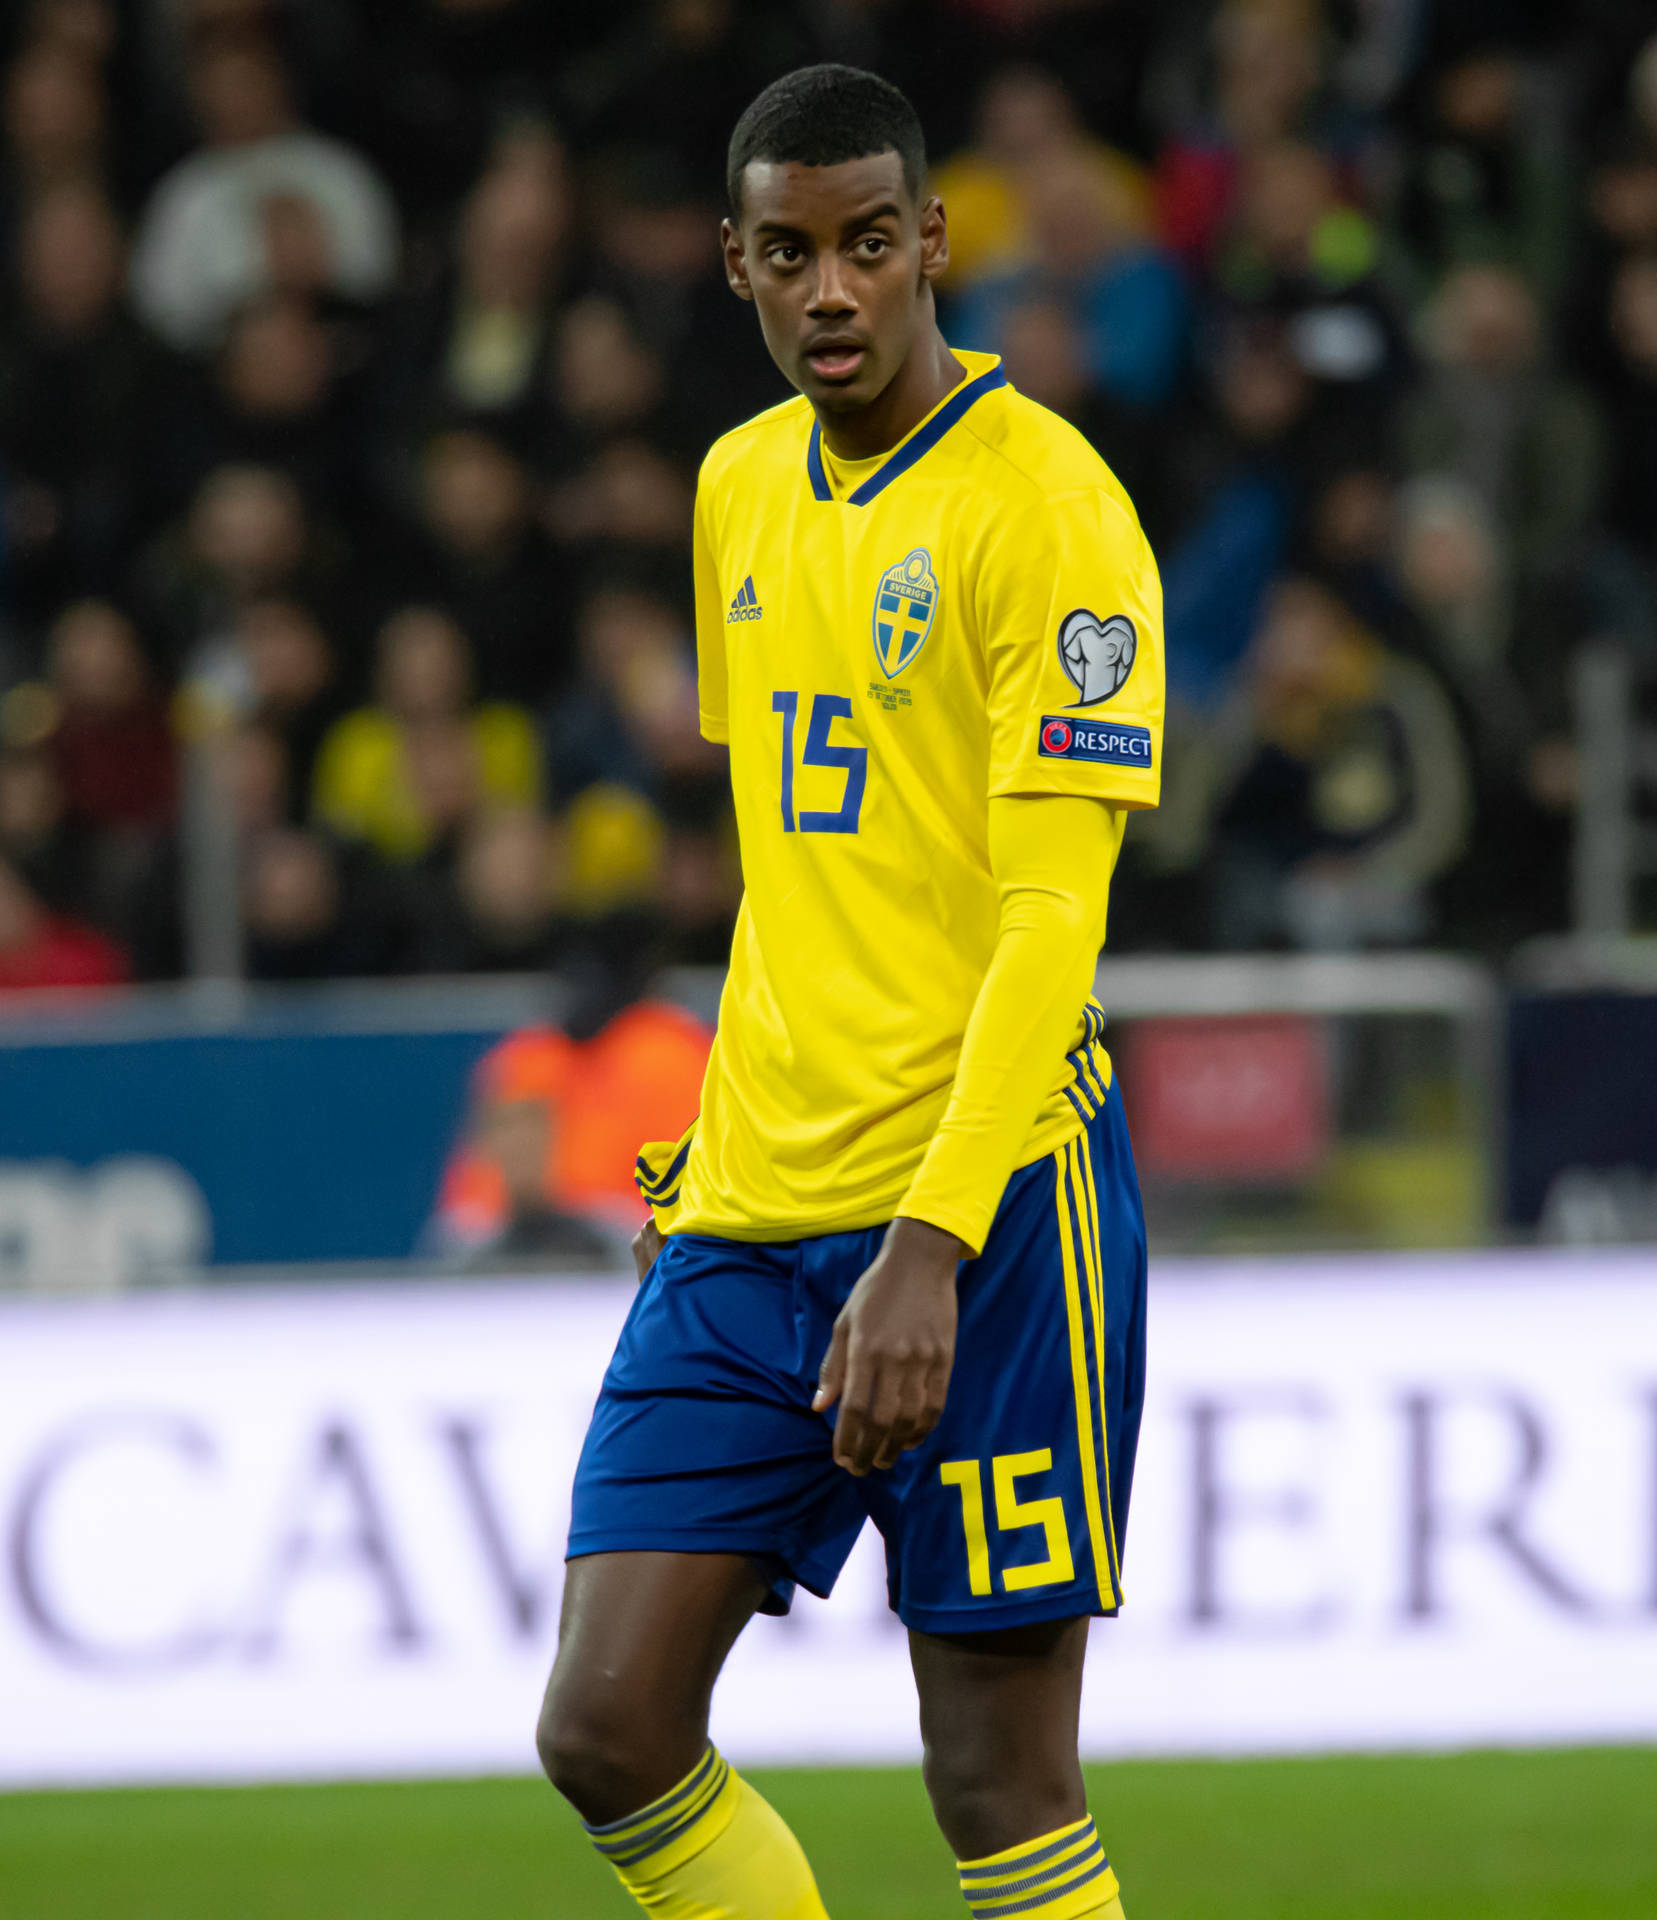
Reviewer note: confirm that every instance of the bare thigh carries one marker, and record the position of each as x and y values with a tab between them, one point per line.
641	1641
999	1717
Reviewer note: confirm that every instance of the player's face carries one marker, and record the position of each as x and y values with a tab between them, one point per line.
840	263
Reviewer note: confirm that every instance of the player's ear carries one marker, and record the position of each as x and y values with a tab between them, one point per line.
736	261
934	239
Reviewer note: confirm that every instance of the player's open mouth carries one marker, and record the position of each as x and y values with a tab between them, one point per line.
836	363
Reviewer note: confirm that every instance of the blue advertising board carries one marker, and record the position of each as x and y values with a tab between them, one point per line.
287	1134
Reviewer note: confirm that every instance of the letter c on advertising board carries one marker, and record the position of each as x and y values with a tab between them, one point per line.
194	1450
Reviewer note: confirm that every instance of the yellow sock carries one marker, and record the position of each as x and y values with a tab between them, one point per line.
1060	1876
711	1849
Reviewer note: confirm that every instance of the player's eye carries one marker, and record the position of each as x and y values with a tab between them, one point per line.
874	243
784	256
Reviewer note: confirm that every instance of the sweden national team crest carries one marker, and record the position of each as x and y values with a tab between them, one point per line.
905	602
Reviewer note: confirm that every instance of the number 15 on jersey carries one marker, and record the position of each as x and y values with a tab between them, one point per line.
820	751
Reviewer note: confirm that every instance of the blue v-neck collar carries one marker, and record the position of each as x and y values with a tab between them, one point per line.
904	455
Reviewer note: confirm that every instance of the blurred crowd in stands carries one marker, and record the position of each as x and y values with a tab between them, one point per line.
356	359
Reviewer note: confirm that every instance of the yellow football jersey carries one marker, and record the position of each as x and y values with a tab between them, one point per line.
885	645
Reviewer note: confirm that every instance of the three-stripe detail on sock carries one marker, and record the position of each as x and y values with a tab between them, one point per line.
625	1843
1024	1880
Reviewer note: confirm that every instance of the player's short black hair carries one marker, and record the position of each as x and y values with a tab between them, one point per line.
821	116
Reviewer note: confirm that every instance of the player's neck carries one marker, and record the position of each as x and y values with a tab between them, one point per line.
928	373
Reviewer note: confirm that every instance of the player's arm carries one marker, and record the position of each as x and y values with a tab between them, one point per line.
889	1362
1052	856
1070	610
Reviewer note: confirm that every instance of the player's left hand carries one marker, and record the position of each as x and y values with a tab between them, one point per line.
889	1361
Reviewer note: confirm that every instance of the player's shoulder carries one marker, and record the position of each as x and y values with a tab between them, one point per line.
777	432
1041	457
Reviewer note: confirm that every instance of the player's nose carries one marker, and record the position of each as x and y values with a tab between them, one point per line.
831	294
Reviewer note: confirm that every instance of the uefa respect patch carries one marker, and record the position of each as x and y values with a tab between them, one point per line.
1117	745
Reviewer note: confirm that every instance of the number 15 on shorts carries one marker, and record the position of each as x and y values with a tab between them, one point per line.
1012	1515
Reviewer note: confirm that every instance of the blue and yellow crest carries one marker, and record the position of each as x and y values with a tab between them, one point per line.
905	602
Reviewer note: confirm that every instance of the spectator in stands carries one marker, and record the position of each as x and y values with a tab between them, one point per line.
574	1103
1455	581
1501	664
55	124
682	72
448	75
1490	410
613	841
86	28
1230	483
498	912
1027	125
112	740
201	249
1489	180
698	885
1349	537
1087	253
246	536
256	786
43	846
653	232
404	773
292	684
1343	794
1631	497
1256	82
1297	252
622	477
1621	219
515	1136
483	557
307	913
273	398
628	498
40	948
259	778
1045	357
78	387
632	720
477	341
607	380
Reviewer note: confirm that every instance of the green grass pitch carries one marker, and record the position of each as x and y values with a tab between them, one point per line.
1522	1836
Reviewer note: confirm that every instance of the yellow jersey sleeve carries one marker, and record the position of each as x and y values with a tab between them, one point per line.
1070	607
713	699
1052	857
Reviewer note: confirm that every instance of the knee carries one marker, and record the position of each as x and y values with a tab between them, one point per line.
986	1801
592	1753
965	1795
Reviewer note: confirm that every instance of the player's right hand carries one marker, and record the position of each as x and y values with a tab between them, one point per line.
893	1348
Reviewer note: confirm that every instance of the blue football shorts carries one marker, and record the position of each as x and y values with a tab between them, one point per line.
1015	1506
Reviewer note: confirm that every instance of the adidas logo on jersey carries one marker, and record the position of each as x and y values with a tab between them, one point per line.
746	604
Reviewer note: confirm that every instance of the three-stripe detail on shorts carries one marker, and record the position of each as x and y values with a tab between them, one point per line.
1077	1201
662	1189
1089	1066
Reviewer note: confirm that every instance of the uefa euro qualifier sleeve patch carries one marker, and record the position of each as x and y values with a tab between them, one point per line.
1097	654
1112	745
905	602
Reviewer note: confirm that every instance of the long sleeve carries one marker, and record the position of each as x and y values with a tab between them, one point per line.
1052	856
